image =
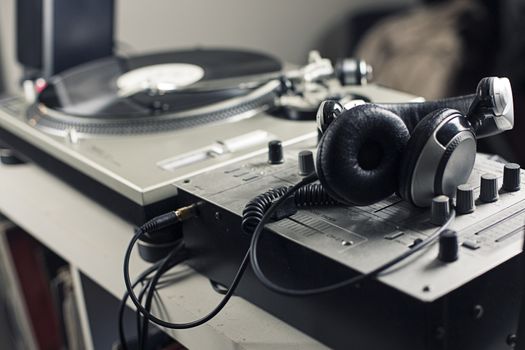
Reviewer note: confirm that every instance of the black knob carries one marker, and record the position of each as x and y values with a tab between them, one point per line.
306	163
465	199
440	210
489	188
511	177
448	246
275	152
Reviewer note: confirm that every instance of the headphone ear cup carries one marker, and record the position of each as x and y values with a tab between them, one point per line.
358	155
439	156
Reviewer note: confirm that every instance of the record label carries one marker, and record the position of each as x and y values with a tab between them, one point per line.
160	78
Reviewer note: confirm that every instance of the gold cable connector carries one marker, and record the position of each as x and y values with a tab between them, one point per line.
187	212
169	218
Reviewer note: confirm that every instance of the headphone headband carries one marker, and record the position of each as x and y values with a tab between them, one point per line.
412	112
490	110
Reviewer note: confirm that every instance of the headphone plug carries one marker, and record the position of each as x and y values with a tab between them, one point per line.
168	219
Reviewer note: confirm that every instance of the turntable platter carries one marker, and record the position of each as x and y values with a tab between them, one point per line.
132	95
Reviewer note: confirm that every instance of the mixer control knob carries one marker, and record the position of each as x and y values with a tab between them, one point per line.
448	246
275	152
306	163
511	177
465	199
489	188
440	210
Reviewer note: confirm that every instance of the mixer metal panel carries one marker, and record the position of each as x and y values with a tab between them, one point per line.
363	238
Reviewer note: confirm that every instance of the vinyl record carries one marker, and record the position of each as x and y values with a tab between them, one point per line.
110	93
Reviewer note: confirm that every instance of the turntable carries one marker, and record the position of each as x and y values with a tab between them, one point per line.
122	130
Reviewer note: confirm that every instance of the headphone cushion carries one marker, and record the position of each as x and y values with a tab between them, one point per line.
420	136
358	155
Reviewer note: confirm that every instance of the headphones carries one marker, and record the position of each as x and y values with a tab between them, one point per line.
419	150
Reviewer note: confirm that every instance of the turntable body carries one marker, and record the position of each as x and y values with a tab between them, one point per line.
132	174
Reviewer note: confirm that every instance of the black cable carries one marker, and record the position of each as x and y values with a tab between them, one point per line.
167	263
138	317
140	279
122	306
329	288
251	256
171	325
309	195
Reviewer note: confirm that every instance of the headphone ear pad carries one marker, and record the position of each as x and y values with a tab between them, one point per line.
359	153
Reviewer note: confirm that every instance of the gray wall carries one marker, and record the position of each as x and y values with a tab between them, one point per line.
286	28
9	71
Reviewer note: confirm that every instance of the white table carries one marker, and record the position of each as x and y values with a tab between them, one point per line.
93	240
